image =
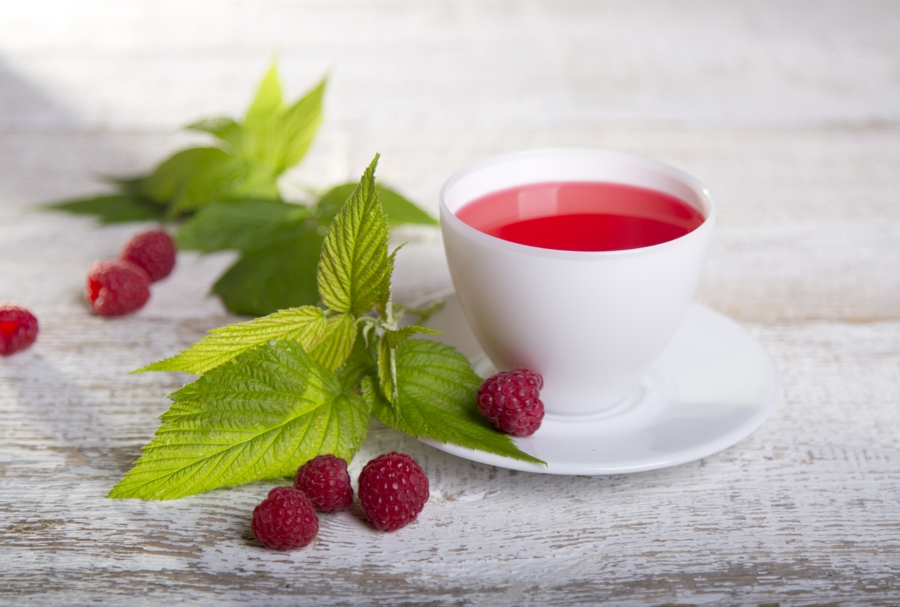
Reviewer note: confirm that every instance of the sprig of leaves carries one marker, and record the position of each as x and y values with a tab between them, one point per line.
226	197
244	165
279	390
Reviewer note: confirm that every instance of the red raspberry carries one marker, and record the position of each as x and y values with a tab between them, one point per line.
393	490
116	287
152	251
285	520
325	482
511	401
18	328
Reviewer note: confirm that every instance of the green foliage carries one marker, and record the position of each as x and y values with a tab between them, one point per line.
275	274
227	198
194	177
224	128
304	325
115	208
262	112
278	390
241	225
387	357
294	130
259	416
399	210
436	395
355	268
280	244
252	156
337	341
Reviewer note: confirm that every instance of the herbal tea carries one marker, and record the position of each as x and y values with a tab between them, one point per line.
581	216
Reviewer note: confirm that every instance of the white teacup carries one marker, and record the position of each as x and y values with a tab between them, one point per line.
591	323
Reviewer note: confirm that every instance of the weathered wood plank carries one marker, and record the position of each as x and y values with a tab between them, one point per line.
788	111
804	506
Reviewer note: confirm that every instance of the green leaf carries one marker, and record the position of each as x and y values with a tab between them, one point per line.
240	225
422	313
257	181
129	186
115	208
295	130
354	273
336	343
279	274
395	338
360	364
305	325
173	175
387	359
398	209
265	107
258	417
224	128
331	202
436	399
276	137
194	177
387	370
401	211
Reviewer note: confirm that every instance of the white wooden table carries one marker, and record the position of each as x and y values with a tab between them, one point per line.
790	112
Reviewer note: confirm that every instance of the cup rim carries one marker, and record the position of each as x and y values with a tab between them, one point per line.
493	241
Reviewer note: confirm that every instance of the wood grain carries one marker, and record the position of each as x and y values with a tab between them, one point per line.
789	112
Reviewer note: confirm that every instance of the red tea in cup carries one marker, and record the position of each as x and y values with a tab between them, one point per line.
617	247
582	216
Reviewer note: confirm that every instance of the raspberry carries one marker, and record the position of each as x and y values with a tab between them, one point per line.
116	287
18	328
325	482
285	520
511	401
393	490
152	251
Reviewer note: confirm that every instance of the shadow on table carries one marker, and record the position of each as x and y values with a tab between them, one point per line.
48	150
23	106
56	415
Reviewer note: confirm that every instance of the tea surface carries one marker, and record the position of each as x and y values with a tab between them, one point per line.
582	216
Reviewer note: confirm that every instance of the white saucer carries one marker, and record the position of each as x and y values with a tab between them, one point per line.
712	387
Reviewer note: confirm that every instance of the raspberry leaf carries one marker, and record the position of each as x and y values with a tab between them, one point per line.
271	233
295	129
257	417
336	343
306	325
187	176
281	273
436	390
224	128
360	365
422	313
354	273
243	225
387	357
387	370
400	210
260	118
395	338
116	208
280	136
195	177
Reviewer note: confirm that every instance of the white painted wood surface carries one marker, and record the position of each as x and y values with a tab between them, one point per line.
790	112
